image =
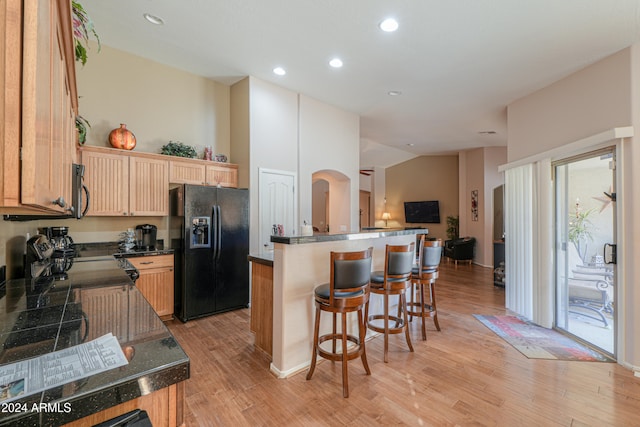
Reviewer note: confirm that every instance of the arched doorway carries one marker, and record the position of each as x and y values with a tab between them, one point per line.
331	201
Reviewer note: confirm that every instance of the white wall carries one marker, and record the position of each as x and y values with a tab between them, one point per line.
330	140
295	133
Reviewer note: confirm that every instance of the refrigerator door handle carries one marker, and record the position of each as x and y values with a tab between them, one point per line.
219	232
214	221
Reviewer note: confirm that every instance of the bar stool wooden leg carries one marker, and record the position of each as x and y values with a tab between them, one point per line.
314	352
345	376
432	292
424	330
403	301
363	336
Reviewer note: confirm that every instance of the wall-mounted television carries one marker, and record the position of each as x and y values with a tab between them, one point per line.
426	212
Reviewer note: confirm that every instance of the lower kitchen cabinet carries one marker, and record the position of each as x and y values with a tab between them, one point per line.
156	282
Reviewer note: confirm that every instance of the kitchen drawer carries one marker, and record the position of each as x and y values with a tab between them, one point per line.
153	261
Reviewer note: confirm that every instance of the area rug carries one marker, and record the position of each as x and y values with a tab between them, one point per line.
537	342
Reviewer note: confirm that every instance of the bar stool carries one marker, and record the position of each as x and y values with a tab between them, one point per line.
346	292
394	280
424	278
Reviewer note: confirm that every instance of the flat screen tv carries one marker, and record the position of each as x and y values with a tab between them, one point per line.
427	212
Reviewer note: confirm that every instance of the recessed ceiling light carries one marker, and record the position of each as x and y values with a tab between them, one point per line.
279	71
487	132
410	144
156	20
389	25
394	93
336	63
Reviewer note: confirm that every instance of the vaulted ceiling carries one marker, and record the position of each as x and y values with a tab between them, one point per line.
454	65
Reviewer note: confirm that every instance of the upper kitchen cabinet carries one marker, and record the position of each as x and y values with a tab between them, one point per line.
38	104
203	172
222	175
123	183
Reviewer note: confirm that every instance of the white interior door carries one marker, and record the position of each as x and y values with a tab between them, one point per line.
277	201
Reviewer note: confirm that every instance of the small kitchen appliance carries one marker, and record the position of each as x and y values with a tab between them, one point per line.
146	237
59	238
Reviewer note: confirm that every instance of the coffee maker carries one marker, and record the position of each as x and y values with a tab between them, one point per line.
146	237
59	238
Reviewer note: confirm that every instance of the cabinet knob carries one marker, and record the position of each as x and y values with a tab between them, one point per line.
60	202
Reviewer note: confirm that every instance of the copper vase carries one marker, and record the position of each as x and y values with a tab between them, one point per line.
122	138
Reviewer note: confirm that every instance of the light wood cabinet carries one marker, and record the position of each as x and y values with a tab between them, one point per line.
222	175
156	282
148	187
125	184
38	104
203	172
186	172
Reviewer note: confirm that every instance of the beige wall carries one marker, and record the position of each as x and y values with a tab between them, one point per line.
586	103
591	101
480	172
422	178
157	103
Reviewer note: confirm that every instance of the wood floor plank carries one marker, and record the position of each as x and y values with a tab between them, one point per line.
464	375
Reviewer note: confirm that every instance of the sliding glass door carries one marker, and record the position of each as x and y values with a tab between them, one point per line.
585	248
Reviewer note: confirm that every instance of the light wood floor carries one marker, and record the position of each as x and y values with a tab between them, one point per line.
463	375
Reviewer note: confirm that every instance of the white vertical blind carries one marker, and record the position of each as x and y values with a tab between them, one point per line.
519	243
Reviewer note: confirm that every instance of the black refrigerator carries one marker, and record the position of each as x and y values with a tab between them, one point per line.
209	230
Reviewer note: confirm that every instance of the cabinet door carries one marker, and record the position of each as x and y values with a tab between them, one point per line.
224	176
156	282
10	91
181	172
38	152
107	177
46	100
149	187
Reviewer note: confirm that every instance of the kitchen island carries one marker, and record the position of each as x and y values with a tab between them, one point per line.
300	263
93	298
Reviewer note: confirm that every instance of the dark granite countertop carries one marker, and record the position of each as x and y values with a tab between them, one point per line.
112	248
96	297
371	233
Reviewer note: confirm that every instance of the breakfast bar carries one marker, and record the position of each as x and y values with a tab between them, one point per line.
300	263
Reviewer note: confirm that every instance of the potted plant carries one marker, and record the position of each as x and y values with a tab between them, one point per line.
82	29
177	148
580	230
81	125
453	227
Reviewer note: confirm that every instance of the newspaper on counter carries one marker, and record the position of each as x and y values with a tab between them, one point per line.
60	367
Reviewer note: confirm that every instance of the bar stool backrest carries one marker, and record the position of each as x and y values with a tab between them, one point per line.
400	260
350	271
430	253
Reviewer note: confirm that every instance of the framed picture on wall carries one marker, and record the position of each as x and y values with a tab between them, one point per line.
474	205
